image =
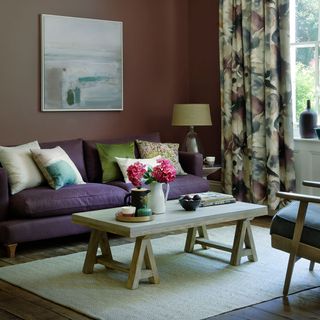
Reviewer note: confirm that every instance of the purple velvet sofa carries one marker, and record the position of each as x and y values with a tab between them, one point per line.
43	213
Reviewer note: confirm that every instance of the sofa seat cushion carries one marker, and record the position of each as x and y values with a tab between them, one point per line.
187	184
45	202
283	223
23	230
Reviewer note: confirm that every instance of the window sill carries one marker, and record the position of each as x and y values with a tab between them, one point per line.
313	140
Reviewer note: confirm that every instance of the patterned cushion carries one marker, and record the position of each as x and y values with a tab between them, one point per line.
21	169
169	151
57	167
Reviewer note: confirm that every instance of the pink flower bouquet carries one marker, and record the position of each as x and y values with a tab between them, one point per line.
164	172
135	173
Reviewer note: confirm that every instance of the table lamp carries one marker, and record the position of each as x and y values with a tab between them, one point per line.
191	115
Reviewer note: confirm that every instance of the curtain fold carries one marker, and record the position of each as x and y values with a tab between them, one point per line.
256	116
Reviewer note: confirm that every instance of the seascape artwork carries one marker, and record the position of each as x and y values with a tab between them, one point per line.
81	64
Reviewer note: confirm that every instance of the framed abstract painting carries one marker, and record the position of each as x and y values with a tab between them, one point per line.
81	64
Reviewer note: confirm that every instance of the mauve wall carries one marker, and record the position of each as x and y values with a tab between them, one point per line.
204	68
157	69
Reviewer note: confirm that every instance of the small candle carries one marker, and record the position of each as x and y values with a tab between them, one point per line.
128	211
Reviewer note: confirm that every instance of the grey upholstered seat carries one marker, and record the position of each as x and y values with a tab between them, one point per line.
296	229
283	223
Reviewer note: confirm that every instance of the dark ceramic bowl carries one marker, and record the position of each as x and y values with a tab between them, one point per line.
189	205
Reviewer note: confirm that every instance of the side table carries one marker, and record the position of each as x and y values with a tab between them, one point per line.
215	183
206	171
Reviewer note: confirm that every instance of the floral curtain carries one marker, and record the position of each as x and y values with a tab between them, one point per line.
257	134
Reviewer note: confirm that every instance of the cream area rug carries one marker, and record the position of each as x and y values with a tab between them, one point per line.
192	286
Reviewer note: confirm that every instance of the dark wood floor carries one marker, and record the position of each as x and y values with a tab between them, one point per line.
16	303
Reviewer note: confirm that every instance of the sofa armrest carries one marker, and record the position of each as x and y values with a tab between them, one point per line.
191	162
4	194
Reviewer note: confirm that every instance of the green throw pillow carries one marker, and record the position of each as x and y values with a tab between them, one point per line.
107	154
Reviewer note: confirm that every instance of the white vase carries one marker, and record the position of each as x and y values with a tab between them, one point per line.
157	198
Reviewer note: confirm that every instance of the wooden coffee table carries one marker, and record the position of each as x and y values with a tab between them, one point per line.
102	222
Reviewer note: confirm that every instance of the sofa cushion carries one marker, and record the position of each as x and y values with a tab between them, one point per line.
187	184
169	151
91	156
108	154
74	149
22	171
44	201
22	230
57	167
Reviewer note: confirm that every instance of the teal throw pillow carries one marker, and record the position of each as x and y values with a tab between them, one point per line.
57	167
107	154
62	174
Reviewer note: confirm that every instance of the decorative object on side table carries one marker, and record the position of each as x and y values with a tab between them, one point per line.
163	172
209	161
308	122
191	115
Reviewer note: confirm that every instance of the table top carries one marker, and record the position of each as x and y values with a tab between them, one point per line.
175	218
206	170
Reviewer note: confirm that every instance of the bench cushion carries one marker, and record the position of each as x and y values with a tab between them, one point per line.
284	221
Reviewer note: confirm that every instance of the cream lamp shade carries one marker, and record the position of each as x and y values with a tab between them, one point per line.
191	114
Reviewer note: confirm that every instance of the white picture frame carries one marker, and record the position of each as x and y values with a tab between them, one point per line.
81	64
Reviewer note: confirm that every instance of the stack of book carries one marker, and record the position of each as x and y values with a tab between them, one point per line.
214	198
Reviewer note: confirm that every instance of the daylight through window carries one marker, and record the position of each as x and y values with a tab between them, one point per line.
304	44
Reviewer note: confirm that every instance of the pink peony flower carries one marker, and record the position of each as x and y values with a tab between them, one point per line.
164	172
135	173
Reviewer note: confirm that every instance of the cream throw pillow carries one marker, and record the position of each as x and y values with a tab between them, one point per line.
22	171
124	163
57	167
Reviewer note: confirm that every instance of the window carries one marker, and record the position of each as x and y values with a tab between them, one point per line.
304	44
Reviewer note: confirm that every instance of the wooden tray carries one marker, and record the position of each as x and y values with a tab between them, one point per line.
122	218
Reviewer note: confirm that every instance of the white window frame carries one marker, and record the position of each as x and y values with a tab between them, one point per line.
293	47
